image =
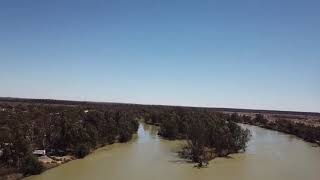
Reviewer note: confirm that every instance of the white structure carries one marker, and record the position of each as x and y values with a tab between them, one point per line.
39	152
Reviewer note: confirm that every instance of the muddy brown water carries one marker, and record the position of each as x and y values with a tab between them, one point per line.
270	155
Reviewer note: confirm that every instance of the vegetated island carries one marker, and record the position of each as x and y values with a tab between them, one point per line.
37	134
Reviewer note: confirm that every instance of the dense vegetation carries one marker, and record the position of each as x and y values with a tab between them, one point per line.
76	128
59	130
309	133
208	134
62	130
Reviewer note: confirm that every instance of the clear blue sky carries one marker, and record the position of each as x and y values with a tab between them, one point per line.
261	54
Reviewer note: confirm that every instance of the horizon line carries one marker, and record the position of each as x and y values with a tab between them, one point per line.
146	104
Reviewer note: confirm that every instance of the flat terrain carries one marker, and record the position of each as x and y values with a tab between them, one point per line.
308	118
305	118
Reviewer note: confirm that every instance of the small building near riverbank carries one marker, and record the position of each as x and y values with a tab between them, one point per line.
39	152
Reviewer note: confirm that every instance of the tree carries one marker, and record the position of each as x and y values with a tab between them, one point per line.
196	138
260	119
169	127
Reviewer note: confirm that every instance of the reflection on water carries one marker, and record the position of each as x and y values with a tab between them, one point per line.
147	133
270	155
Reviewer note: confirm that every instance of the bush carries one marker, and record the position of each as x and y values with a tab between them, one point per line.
31	165
82	150
125	136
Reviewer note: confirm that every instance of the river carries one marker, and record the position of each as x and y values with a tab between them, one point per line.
269	155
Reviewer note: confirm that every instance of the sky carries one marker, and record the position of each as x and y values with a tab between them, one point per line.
260	54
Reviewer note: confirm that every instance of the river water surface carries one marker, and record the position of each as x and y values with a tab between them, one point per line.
270	156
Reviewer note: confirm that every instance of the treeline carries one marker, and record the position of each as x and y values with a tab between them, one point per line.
59	130
208	134
307	132
89	103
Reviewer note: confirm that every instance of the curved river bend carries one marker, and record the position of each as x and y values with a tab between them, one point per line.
270	155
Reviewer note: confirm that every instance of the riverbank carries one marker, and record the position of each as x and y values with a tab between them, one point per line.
274	128
9	174
53	161
47	162
307	132
58	130
50	162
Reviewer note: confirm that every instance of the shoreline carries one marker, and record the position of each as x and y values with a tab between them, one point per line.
277	130
61	160
48	162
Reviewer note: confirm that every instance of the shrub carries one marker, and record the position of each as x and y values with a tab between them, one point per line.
31	165
125	135
82	150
